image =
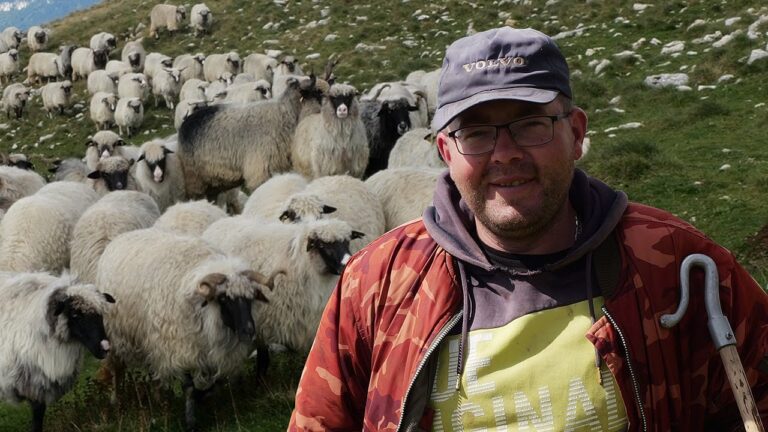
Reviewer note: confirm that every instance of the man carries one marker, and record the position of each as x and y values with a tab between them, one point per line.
529	296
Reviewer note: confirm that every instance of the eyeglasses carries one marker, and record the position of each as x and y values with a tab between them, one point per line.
526	132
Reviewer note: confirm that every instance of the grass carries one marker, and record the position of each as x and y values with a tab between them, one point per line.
675	160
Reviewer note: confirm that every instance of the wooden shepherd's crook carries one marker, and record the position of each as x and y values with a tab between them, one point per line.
722	336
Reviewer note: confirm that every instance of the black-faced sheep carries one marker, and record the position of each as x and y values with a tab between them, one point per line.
86	60
166	16
102	145
16	183
415	149
129	115
399	207
103	107
191	66
260	66
267	200
200	19
158	173
166	83
216	64
15	98
103	42
56	96
133	53
9	65
101	81
111	174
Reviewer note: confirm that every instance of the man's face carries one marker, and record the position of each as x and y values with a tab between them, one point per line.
515	192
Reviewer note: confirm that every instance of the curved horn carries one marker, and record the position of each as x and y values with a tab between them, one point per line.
261	279
207	286
381	89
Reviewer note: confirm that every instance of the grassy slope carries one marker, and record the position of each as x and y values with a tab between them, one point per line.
672	161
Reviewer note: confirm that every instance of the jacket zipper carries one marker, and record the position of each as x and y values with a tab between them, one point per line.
435	343
633	377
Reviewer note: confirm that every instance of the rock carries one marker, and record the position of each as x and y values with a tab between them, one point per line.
639	43
640	7
331	37
725	167
727	38
706	87
273	52
731	21
757	54
698	23
602	65
312	56
725	78
666	80
673	47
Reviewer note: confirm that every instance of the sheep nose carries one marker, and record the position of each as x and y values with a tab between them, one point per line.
342	111
402	128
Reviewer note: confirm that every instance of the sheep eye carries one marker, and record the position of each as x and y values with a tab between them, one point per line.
222	298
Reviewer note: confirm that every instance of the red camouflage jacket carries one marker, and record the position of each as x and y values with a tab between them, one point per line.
369	366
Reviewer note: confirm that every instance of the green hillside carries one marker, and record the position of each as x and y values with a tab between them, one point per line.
700	153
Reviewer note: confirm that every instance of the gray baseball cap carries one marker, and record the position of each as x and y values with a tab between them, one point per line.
502	63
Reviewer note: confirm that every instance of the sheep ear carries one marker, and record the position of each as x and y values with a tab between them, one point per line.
167	151
288	215
94	175
57	302
120	143
311	244
357	235
89	142
108	297
328	209
207	286
141	158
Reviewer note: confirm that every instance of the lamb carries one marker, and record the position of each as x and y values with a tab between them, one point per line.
415	149
103	42
191	66
56	96
46	324
118	68
154	62
399	207
216	64
249	92
267	200
85	61
115	213
36	231
129	115
133	85
158	173
101	81
37	38
186	108
133	53
317	252
193	90
111	174
102	145
190	218
166	83
184	311
15	98
249	143
103	106
11	38
260	66
334	141
9	65
201	19
166	16
16	183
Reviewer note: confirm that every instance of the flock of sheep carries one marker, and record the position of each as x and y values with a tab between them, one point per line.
153	256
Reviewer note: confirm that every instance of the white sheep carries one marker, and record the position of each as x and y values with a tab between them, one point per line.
70	170
200	19
16	183
317	252
42	66
56	96
9	65
11	37
216	64
118	68
217	90
190	218
158	173
103	107
15	98
154	62
103	42
18	160
260	66
133	85
184	310
111	174
193	90
415	148
250	92
133	53
399	207
102	145
288	66
243	78
186	108
36	231
37	38
333	141
191	66
46	324
101	81
166	84
129	115
115	213
267	200
166	16
85	61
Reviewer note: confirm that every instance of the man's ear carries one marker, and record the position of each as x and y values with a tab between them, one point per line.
578	121
443	141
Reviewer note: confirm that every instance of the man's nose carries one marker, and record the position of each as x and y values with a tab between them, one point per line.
506	148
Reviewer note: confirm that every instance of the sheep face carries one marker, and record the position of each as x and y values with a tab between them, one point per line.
156	164
235	310
181	13
334	254
40	36
341	104
114	171
84	322
14	54
134	59
100	58
234	60
394	116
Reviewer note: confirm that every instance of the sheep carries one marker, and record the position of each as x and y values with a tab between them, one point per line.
102	145
317	252
184	311
103	42
414	94
334	141
415	148
217	89
85	61
216	64
64	61
15	98
399	207
11	38
70	169
249	143
154	62
129	115
56	96
260	66
17	160
267	200
101	81
430	81
36	231
9	65
16	183
191	66
186	108
288	66
111	174
193	89
158	173
200	19
37	38
249	92
42	66
166	83
190	218
103	106
166	16
115	213
118	68
133	85
46	324
243	78
133	53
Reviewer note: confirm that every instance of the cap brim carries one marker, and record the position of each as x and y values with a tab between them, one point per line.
448	112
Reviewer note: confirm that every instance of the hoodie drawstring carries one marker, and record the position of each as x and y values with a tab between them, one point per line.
464	324
590	295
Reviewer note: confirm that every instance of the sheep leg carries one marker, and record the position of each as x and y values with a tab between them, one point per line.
262	362
38	412
192	397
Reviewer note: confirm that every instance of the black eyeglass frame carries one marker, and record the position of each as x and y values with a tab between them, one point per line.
553	118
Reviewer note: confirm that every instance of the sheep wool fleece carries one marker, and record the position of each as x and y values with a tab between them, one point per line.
373	363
